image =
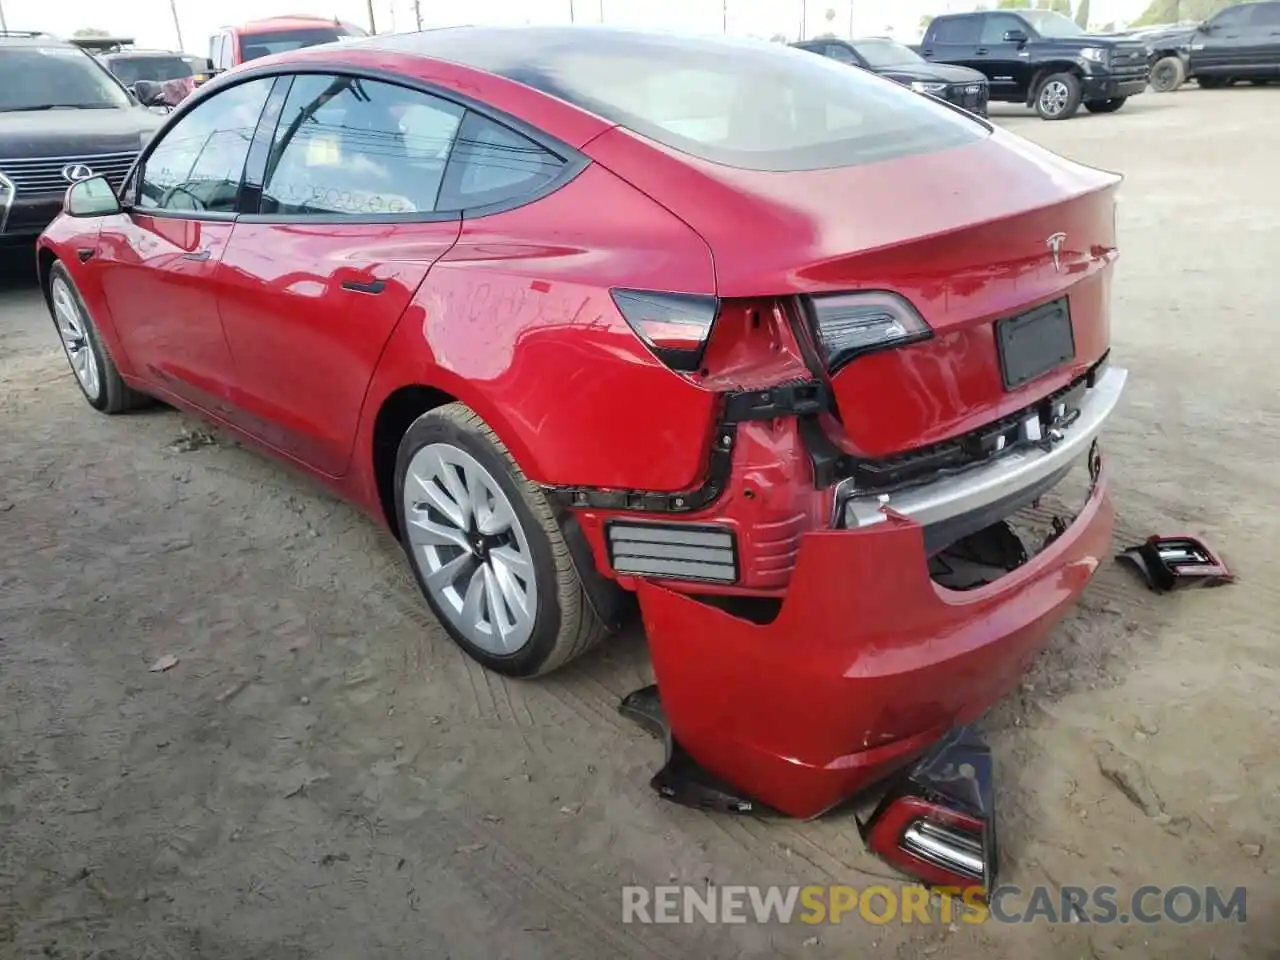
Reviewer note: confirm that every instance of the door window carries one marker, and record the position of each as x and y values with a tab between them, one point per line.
350	147
837	52
1232	19
1266	15
197	166
996	25
963	30
494	164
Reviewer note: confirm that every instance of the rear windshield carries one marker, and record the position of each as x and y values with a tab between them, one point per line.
255	45
132	69
756	106
52	78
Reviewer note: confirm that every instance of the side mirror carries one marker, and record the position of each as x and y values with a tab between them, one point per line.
1206	27
1016	36
91	198
150	93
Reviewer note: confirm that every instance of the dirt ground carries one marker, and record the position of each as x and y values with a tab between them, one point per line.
323	775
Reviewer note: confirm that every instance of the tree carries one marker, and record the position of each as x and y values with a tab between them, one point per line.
830	15
1173	11
1082	15
778	38
925	21
90	32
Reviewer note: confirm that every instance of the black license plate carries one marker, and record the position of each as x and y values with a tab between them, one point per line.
1034	343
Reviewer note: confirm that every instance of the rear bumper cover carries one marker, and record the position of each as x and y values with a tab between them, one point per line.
867	664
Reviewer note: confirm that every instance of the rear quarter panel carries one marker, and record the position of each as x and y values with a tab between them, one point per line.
516	320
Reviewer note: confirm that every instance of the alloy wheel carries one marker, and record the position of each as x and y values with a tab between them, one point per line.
73	329
470	548
1054	97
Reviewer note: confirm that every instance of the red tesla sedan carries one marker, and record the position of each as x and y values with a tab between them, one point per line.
587	316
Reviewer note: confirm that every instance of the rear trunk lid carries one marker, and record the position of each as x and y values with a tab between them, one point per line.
969	236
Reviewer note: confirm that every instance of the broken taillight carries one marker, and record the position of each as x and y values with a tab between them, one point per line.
674	326
849	325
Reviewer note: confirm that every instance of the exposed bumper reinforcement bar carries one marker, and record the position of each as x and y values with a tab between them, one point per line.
946	506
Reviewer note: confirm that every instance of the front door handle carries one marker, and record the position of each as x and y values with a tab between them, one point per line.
200	255
371	286
982	50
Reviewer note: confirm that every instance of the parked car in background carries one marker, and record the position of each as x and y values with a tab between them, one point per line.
1168	53
959	85
232	46
1042	59
161	79
1238	43
591	316
63	118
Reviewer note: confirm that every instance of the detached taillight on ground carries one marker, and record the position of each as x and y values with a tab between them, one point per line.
937	822
674	326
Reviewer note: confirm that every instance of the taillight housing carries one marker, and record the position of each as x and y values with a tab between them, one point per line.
676	327
849	325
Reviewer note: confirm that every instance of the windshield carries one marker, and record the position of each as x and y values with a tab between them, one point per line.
255	45
1050	25
886	53
46	78
131	70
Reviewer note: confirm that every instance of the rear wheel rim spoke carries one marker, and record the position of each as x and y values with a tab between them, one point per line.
73	330
470	548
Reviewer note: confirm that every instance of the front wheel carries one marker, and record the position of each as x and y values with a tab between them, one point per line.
91	362
1059	97
486	549
1105	106
1167	74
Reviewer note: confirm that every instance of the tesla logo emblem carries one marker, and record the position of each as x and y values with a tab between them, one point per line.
75	172
1054	243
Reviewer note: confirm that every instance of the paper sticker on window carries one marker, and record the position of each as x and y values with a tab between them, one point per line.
323	151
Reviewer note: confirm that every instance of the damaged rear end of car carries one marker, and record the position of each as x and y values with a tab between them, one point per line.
908	344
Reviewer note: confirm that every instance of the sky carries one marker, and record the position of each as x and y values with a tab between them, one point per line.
150	22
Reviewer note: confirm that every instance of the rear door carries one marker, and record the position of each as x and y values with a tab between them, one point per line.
342	231
955	40
158	259
1265	29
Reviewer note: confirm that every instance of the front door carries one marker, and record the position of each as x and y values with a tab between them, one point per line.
313	284
1006	63
160	258
1222	49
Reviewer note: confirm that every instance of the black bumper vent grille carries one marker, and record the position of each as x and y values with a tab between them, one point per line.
674	551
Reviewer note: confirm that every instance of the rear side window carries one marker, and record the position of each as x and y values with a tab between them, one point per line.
493	164
351	147
956	30
754	106
837	52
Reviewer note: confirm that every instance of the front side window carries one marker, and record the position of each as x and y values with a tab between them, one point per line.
493	164
1050	25
197	166
1266	15
55	78
351	147
996	25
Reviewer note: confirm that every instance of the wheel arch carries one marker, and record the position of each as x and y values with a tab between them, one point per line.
1047	70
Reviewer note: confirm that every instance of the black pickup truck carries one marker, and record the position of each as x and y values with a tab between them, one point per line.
1042	59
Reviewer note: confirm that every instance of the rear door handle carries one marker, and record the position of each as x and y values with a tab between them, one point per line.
371	286
982	50
196	255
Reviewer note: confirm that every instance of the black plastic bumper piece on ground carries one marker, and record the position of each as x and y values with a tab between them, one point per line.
681	780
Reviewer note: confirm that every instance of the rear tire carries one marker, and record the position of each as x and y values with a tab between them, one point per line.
1058	96
1168	74
486	549
1105	106
91	362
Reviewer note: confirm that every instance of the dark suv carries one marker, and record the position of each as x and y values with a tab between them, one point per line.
1238	43
63	118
